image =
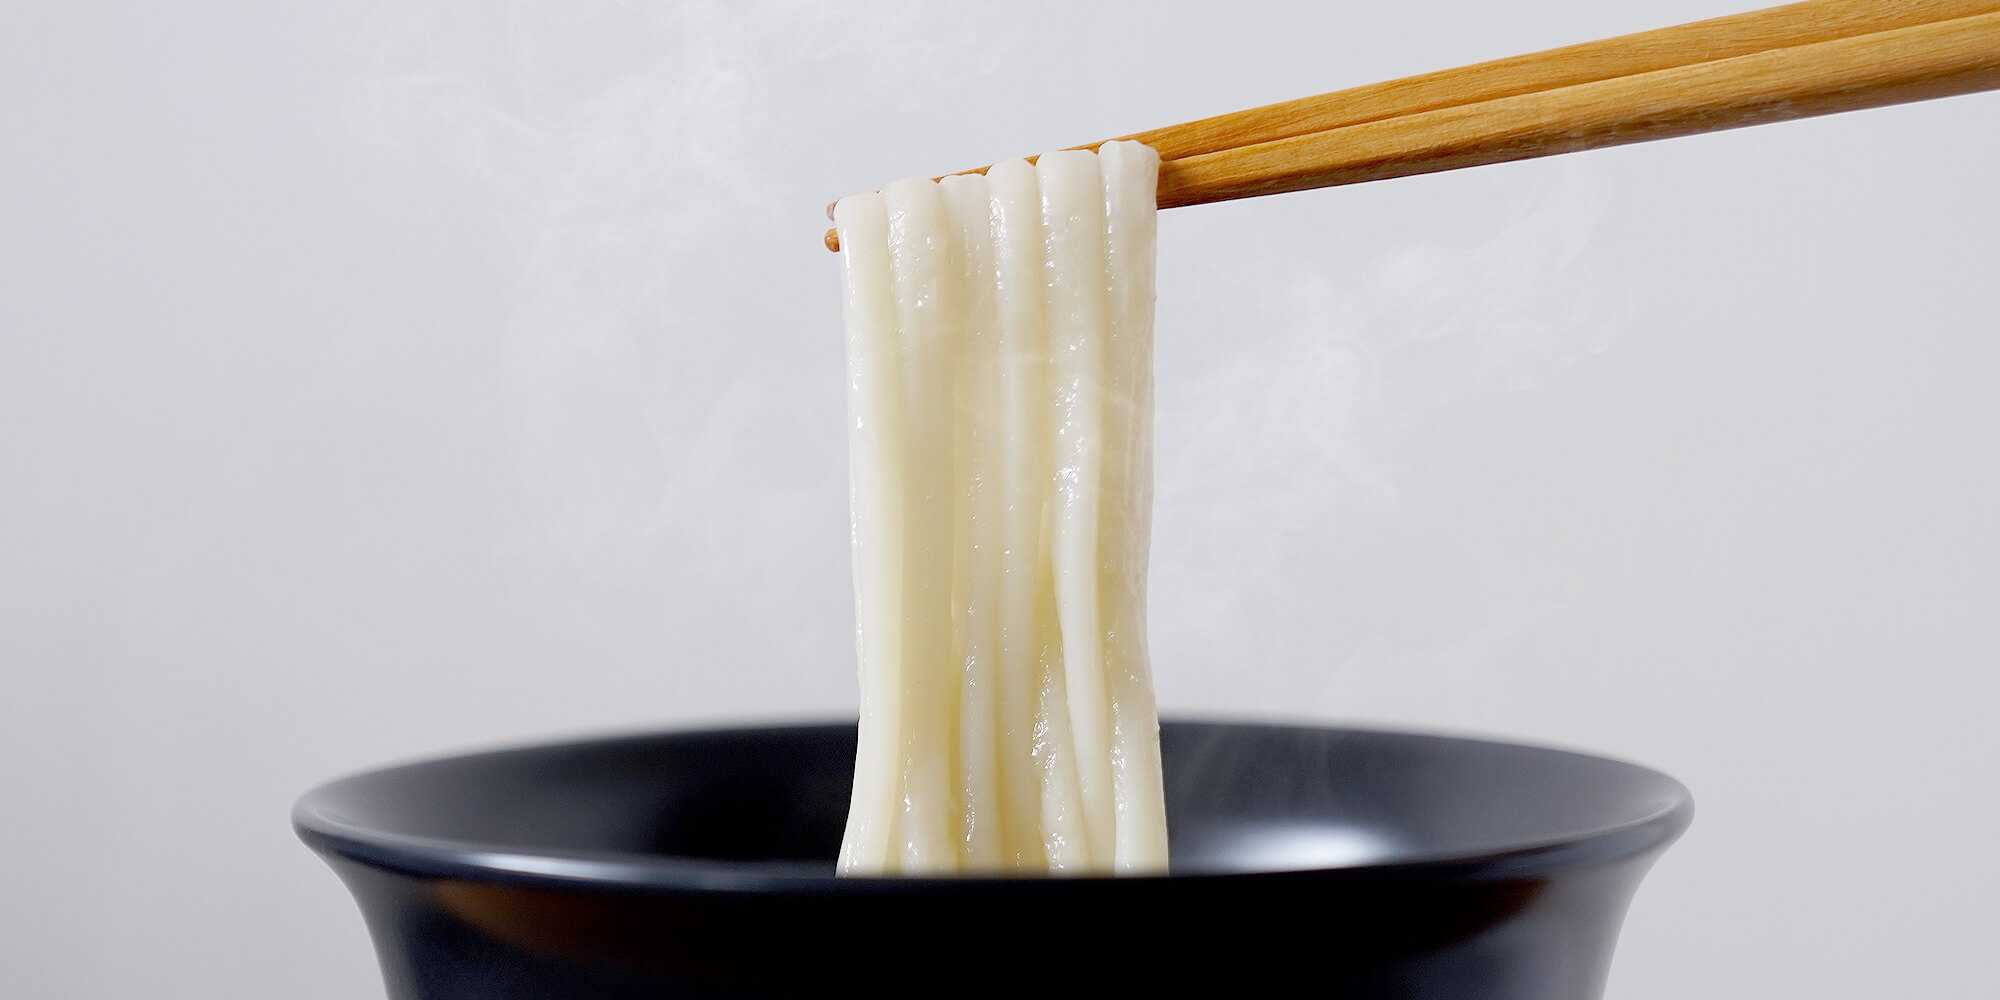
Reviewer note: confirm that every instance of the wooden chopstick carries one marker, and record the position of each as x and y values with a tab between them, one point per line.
1625	55
1959	56
1245	153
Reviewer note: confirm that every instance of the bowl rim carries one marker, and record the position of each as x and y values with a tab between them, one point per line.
328	833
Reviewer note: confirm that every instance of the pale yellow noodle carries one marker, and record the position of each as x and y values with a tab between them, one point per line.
1016	213
1000	393
1073	217
1131	173
975	418
930	685
874	377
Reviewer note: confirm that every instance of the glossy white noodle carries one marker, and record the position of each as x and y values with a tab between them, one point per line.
1000	387
1016	214
1131	175
874	363
977	534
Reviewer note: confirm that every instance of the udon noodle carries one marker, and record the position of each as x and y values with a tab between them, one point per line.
999	344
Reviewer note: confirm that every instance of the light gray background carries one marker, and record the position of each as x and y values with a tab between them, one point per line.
384	380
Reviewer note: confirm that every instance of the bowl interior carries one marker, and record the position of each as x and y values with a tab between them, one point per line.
1240	798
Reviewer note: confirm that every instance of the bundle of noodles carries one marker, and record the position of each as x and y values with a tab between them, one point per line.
999	344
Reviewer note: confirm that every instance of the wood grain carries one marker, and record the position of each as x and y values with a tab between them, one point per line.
1625	55
1796	61
1948	58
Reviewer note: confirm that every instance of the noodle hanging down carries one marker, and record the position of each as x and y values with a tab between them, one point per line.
1000	394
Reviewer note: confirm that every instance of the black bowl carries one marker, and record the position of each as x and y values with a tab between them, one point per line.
1354	863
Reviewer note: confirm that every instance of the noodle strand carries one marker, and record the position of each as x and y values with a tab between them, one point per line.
930	686
1073	212
1000	398
874	360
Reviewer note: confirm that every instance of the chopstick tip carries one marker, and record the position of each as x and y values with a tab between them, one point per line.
833	240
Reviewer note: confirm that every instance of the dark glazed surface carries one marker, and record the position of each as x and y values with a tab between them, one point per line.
1374	864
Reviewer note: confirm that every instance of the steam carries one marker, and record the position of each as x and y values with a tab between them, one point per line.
641	157
671	354
1285	537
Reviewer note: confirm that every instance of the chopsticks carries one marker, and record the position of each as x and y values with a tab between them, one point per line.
1797	61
